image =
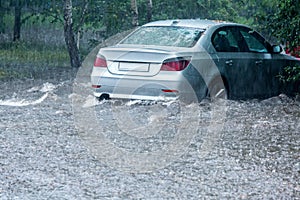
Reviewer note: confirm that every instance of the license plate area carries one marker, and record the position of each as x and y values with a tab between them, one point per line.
138	67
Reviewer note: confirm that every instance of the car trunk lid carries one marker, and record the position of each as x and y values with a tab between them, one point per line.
136	60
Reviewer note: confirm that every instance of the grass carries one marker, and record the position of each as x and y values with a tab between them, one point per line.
26	59
37	55
41	49
41	46
5	74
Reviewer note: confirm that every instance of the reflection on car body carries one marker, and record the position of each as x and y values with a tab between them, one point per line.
190	60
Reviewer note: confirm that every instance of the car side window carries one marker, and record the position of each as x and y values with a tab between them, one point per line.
223	40
253	42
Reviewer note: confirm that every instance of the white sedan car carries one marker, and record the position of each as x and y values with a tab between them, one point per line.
191	60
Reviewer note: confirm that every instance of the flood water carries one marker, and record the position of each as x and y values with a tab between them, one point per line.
58	142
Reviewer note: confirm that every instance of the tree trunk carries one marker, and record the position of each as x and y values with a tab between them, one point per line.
135	14
149	11
2	12
69	35
81	22
17	23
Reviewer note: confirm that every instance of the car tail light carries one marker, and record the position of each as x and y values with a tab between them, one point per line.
177	64
96	86
169	91
100	61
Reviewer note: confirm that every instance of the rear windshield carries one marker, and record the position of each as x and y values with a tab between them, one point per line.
164	36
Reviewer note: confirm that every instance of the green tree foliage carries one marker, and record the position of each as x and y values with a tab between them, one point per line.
253	12
111	16
3	9
285	22
274	18
285	25
219	10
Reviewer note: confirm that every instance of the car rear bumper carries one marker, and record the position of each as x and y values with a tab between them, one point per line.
136	97
143	89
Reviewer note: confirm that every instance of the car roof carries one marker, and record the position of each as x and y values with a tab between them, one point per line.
193	23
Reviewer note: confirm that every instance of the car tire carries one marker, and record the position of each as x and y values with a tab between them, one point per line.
217	89
103	97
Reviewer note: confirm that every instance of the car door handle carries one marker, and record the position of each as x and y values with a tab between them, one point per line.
258	62
229	62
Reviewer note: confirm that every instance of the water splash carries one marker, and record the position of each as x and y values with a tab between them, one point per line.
20	103
46	88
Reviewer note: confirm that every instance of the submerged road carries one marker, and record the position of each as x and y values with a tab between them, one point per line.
50	148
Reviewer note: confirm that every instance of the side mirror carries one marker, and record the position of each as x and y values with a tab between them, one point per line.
277	49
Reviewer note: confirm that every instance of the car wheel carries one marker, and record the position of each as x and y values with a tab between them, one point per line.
217	89
103	97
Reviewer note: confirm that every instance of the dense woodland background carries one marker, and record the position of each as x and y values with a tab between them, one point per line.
36	31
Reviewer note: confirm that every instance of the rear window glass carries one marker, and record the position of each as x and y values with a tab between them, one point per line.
164	36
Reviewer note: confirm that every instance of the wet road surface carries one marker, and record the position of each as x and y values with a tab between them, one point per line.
52	149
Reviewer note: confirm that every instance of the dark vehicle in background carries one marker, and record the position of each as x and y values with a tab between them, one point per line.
294	52
191	59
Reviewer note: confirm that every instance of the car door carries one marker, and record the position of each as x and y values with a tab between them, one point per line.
262	72
233	62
